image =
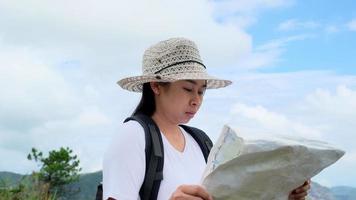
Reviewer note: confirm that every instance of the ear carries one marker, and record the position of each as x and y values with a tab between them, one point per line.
155	87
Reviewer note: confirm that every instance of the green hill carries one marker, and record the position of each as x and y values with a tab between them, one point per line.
9	178
87	185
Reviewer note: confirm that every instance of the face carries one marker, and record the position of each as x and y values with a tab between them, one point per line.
179	101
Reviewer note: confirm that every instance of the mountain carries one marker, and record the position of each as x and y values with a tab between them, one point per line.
319	192
87	184
9	178
344	193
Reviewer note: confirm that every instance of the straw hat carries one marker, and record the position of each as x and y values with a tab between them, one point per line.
172	60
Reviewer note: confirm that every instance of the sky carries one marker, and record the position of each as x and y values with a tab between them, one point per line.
292	65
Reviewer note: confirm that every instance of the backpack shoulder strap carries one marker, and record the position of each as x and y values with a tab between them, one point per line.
99	192
154	157
201	138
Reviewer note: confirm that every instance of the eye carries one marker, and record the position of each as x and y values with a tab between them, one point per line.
188	90
201	93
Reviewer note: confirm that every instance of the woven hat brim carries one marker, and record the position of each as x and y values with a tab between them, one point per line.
135	83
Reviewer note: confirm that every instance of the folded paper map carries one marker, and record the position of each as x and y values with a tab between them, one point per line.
263	169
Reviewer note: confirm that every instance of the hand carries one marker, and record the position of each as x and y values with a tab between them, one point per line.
301	192
191	192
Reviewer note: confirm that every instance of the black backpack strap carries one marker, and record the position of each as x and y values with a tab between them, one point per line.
99	192
201	138
154	157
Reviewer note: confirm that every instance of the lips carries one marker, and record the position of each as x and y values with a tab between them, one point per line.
191	114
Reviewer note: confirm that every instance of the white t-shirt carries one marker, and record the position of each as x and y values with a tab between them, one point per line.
125	163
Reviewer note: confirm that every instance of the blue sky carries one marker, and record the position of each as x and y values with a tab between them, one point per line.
292	64
330	42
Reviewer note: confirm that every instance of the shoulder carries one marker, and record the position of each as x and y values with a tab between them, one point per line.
130	136
130	130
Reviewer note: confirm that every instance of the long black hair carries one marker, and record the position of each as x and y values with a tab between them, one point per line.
147	105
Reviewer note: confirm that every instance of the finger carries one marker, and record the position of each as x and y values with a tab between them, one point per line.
196	190
180	195
299	195
307	182
303	188
292	197
303	198
189	197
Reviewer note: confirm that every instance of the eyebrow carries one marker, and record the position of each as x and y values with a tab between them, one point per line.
195	83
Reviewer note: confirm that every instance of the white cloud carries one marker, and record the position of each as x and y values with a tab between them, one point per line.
352	25
350	158
332	29
31	88
269	53
269	122
298	25
294	24
16	161
334	111
288	25
41	107
259	59
278	43
320	114
92	116
94	32
250	7
244	13
342	103
284	94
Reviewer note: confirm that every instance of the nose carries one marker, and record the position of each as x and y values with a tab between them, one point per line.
196	99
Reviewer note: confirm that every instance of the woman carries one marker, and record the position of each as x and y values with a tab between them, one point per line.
173	84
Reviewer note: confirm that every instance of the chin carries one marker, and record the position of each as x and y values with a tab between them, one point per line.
184	121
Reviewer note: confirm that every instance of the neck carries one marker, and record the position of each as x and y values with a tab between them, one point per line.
170	130
164	124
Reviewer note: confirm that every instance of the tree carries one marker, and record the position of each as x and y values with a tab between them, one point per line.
58	169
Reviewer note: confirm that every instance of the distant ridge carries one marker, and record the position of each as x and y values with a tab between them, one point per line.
344	192
10	178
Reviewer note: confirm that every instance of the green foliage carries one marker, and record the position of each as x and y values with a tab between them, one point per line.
58	169
29	188
87	183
